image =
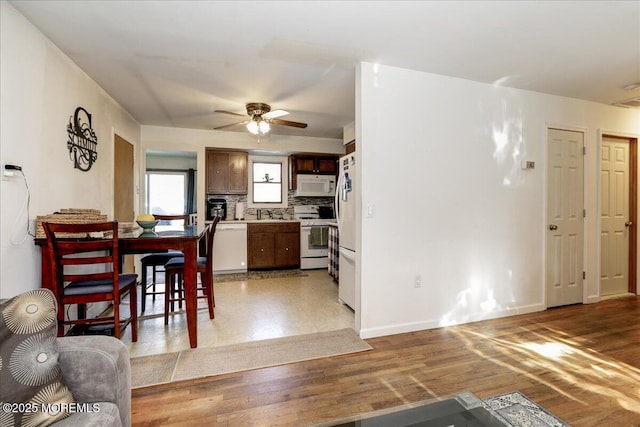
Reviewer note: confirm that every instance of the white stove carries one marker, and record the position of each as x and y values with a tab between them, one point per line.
314	237
308	216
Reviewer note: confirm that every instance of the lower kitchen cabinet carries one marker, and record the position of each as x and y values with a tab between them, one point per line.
287	252
260	249
273	245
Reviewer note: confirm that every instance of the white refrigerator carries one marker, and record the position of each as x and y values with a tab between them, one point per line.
345	206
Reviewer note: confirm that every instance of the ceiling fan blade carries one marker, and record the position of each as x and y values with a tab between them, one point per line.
287	123
229	112
232	124
275	114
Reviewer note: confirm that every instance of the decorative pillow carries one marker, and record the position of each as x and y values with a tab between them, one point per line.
31	389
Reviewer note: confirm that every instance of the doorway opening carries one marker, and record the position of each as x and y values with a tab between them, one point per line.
170	182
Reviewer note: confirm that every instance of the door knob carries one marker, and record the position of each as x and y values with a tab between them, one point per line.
628	224
553	227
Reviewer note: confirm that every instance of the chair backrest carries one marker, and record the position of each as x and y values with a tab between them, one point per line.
211	231
183	217
83	257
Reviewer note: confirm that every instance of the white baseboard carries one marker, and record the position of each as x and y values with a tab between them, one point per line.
402	328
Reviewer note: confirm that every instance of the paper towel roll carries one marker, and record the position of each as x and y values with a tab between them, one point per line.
239	210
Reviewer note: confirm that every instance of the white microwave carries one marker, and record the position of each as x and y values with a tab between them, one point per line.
315	186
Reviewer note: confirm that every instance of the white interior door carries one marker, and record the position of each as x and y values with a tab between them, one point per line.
614	219
564	265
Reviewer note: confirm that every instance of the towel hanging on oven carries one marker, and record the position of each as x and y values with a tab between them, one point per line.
319	236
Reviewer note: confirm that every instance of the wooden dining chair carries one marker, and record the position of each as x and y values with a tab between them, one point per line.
157	261
85	267
174	270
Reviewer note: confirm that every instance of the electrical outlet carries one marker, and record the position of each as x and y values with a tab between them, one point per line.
10	171
417	282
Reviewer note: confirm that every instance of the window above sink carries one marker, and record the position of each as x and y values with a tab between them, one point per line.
268	182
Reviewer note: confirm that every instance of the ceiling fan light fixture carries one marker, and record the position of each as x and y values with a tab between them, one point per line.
258	127
259	119
252	127
263	127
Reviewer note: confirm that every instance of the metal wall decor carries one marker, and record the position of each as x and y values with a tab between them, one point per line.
82	143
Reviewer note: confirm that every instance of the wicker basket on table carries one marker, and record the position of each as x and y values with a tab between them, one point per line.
69	216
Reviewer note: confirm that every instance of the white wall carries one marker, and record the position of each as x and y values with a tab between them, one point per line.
440	163
178	161
41	88
195	140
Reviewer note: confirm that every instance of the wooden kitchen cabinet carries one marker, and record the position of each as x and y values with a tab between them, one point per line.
273	245
226	172
260	249
287	253
312	164
315	164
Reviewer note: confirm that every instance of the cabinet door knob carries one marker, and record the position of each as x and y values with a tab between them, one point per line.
261	249
286	249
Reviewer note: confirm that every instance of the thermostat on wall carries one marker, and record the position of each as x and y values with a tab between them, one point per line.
527	164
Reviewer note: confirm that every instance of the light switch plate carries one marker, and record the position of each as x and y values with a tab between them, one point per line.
370	211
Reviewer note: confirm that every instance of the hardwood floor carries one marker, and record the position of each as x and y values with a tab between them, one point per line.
580	362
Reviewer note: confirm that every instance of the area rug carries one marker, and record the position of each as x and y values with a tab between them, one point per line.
516	410
257	275
210	361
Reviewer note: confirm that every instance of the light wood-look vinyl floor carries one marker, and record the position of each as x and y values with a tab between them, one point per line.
580	362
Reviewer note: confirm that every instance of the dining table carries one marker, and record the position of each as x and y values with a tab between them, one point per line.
164	238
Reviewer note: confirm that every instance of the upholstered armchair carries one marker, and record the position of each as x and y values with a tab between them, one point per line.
88	377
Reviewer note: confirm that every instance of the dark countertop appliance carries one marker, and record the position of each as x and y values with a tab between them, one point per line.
325	212
216	207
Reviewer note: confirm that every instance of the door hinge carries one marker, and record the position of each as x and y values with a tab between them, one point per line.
584	275
584	213
584	151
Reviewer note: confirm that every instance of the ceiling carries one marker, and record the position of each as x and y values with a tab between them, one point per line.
173	63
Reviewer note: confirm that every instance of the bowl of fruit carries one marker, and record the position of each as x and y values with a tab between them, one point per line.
148	223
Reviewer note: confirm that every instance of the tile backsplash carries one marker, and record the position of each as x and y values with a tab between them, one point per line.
287	213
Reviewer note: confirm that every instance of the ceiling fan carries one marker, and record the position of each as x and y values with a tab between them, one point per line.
261	118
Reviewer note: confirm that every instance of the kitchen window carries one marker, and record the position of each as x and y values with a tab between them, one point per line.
268	180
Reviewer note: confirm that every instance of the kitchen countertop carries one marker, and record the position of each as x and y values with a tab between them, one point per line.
253	221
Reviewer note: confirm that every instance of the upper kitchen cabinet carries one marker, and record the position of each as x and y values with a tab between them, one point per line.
226	172
315	164
312	164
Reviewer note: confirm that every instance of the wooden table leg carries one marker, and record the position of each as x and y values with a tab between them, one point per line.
190	285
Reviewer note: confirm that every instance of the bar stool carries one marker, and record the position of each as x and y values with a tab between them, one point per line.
174	271
157	261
